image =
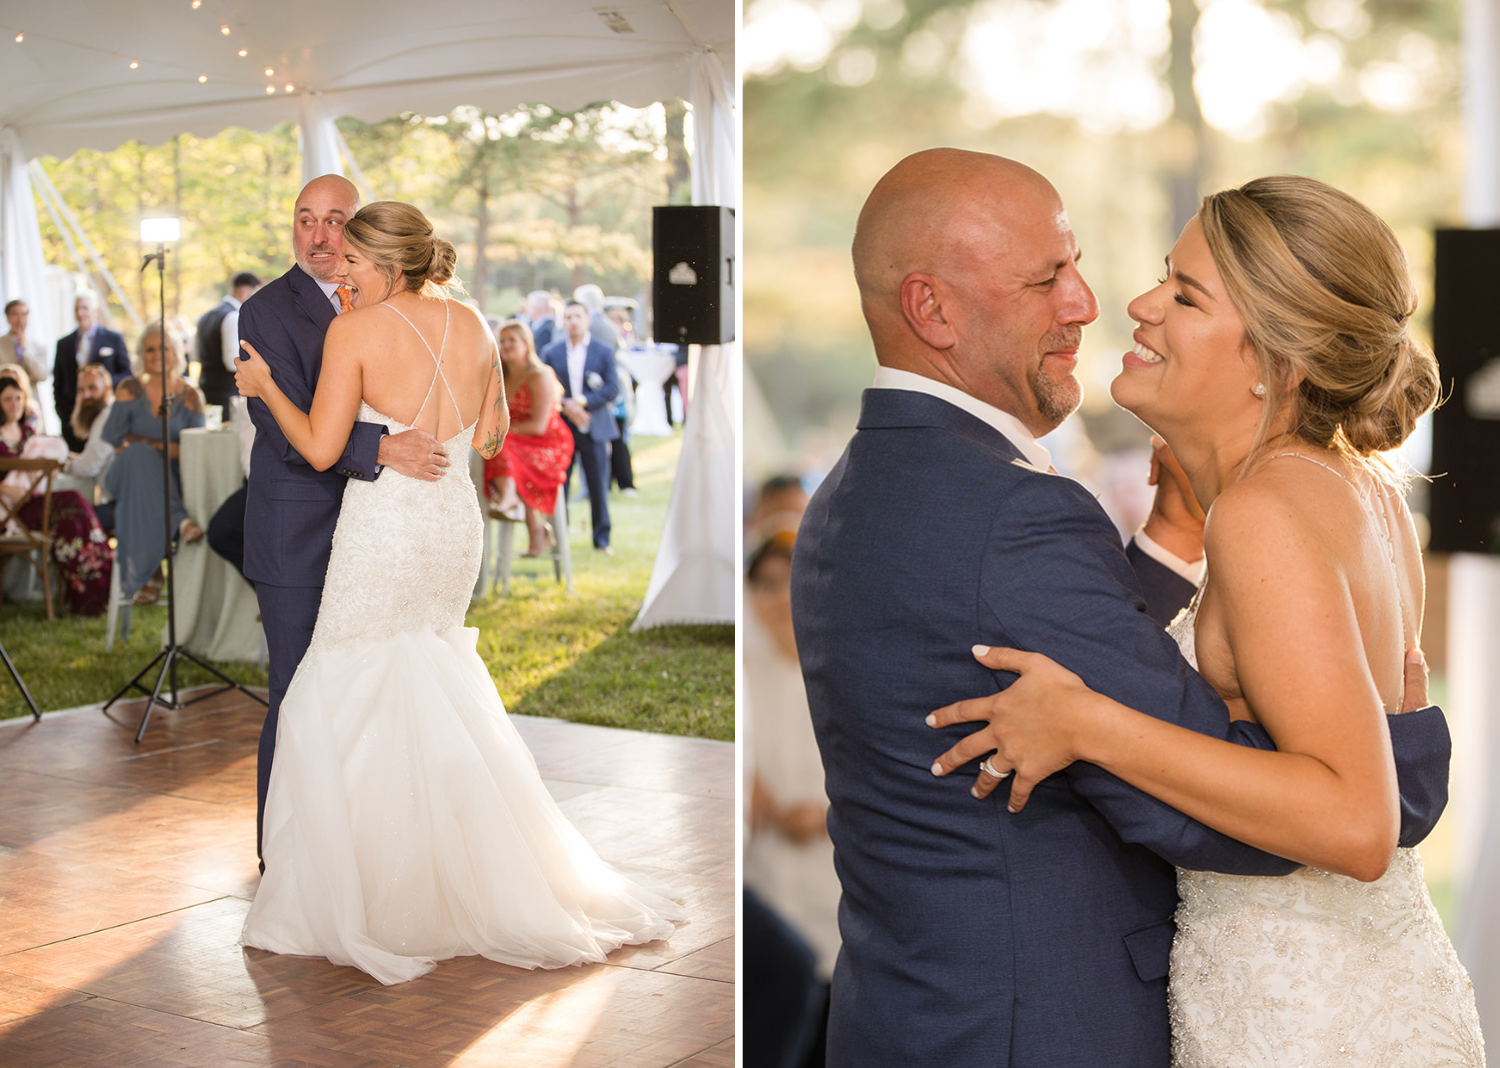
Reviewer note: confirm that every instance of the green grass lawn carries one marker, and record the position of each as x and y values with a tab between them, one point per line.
550	654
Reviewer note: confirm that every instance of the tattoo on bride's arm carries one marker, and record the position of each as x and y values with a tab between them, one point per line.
491	445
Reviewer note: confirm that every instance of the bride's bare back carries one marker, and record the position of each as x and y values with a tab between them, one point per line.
395	344
381	355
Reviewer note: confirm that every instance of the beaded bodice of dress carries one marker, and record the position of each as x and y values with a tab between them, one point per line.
1313	968
406	552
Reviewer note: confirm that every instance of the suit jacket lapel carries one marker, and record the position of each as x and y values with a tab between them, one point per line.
310	299
900	408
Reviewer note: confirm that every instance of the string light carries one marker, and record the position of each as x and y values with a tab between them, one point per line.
270	89
203	77
244	52
289	87
197	4
224	30
134	63
20	37
270	73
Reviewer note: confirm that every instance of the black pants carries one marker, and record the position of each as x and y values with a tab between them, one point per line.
620	470
593	455
226	530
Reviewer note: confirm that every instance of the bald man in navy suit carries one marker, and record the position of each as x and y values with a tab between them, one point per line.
291	509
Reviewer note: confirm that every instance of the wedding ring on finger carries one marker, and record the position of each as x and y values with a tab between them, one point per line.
989	769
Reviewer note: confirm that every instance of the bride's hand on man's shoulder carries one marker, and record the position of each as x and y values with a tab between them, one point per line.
1414	689
251	372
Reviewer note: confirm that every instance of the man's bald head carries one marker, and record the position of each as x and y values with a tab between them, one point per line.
318	218
967	274
929	211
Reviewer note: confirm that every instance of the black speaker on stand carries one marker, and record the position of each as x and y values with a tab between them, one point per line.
692	289
1465	491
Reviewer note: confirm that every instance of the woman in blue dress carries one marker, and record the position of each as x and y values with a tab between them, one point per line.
134	479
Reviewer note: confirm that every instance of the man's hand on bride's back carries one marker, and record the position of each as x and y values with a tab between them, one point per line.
414	453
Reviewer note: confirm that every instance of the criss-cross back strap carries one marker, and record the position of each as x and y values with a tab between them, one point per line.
437	359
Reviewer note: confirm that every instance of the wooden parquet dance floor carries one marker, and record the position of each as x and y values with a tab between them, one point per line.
126	872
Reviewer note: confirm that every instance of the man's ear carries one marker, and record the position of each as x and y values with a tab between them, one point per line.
923	309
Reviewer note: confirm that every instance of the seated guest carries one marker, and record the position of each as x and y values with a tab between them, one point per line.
19	349
534	460
788	858
90	343
79	545
134	480
96	396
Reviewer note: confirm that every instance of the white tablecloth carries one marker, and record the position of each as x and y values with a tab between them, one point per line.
216	607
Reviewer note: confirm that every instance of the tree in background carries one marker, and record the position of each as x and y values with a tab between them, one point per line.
534	198
1134	110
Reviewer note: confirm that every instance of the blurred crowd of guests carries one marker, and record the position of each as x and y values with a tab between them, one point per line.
791	890
566	369
572	399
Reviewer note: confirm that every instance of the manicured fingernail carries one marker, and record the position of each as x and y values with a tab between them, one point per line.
1414	657
1011	808
937	769
981	650
974	792
932	720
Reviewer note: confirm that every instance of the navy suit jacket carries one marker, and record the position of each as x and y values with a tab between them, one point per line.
109	349
972	936
291	509
600	360
1166	592
541	333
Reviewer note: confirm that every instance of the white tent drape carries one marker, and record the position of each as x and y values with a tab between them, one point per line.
22	265
696	572
716	168
319	140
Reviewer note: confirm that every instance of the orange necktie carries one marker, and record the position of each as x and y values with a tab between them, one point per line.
344	303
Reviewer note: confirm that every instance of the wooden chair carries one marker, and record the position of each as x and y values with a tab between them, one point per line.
17	537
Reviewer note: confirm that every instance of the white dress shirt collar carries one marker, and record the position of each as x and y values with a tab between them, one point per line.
329	289
1014	430
1193	572
577	355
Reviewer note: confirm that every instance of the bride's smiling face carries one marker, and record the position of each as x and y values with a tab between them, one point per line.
1191	362
369	283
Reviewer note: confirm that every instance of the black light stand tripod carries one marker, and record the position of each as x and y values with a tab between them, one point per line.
172	652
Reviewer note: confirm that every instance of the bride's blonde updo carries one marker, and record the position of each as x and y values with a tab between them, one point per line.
397	237
1326	294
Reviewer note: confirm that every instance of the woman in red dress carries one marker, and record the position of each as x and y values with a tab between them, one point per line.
530	468
79	545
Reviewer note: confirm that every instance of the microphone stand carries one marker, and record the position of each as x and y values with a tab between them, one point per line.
172	652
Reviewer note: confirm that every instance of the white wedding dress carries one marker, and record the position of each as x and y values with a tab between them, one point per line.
406	821
1315	969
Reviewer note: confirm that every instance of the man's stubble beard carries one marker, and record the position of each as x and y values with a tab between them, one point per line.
304	261
1057	398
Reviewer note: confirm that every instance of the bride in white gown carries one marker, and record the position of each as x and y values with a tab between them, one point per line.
1276	360
406	821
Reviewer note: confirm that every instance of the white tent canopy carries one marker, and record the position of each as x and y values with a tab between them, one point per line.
98	73
69	84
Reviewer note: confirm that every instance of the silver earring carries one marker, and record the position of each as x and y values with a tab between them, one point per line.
1259	390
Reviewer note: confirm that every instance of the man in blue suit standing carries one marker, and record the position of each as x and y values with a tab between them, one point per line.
92	342
973	936
291	509
586	369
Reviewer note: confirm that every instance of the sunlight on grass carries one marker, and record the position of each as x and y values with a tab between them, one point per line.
550	654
